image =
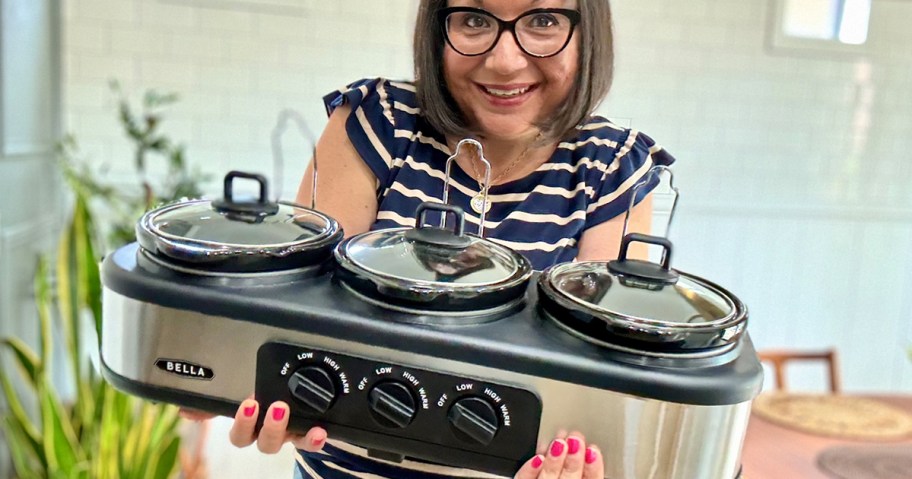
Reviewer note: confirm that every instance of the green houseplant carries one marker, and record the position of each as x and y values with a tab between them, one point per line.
99	432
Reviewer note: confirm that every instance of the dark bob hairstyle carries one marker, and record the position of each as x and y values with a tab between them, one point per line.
595	71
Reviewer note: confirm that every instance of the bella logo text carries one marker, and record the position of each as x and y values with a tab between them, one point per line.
185	369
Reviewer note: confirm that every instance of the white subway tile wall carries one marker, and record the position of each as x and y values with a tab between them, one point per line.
234	65
794	165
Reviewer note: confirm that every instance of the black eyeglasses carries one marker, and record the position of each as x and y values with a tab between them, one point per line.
541	32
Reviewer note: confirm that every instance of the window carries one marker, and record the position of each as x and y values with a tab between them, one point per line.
821	24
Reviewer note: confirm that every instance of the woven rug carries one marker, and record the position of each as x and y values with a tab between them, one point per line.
843	417
867	462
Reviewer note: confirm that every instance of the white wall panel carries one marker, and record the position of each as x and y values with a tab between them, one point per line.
28	121
794	166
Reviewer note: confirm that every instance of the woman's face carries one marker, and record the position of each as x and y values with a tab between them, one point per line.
505	92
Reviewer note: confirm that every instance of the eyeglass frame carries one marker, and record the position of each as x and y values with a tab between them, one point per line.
573	15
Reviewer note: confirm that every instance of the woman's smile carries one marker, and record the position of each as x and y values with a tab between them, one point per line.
507	95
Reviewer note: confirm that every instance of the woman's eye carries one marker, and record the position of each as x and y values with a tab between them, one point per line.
543	20
475	21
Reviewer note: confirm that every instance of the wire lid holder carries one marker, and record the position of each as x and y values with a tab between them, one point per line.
468	142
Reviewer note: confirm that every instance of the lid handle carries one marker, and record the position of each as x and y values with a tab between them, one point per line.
639	272
261	207
652	274
439	236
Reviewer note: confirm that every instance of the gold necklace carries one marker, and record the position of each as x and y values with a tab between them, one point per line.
478	202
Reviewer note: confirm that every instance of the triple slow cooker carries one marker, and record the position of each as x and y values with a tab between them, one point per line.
429	342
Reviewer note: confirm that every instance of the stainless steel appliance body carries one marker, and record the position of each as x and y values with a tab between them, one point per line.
481	395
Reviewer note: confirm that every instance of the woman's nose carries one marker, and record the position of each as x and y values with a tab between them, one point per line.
506	57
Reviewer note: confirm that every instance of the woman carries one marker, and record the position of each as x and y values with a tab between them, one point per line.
522	77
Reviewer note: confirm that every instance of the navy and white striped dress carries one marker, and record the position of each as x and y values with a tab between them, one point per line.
587	181
543	216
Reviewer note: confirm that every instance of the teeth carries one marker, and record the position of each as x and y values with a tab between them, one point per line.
506	93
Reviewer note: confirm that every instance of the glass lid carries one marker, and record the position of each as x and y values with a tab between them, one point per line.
201	222
226	235
431	257
396	255
596	289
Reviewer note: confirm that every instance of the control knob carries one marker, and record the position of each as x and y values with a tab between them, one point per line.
313	386
392	404
474	418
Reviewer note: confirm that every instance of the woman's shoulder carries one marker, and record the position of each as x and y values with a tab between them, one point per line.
601	131
391	94
599	138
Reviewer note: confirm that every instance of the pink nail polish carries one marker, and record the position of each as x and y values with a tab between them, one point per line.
591	455
278	413
557	448
316	442
249	410
573	445
536	462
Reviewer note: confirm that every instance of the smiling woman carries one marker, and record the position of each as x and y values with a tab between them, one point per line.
522	78
587	24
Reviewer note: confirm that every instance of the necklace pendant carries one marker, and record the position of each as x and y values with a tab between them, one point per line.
479	204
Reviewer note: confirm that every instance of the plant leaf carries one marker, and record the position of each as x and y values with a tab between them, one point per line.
68	292
29	433
142	451
61	445
25	464
89	277
29	362
43	302
166	461
107	461
66	299
165	425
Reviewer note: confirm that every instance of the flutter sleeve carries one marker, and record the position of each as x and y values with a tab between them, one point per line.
631	163
371	125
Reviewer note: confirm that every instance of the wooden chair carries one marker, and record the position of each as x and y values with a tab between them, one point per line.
779	358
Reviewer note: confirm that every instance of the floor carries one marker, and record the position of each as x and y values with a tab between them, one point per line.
796	453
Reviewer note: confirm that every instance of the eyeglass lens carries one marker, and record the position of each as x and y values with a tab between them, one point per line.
538	33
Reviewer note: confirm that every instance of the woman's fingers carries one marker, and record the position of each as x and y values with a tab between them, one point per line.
313	441
577	435
243	431
566	457
574	460
554	460
272	435
594	464
542	447
531	468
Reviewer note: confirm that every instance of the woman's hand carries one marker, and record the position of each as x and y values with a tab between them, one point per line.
565	458
273	435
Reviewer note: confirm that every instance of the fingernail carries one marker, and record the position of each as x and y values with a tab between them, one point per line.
278	413
536	462
557	448
573	445
249	410
316	442
591	455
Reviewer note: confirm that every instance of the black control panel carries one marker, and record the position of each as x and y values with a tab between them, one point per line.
401	410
